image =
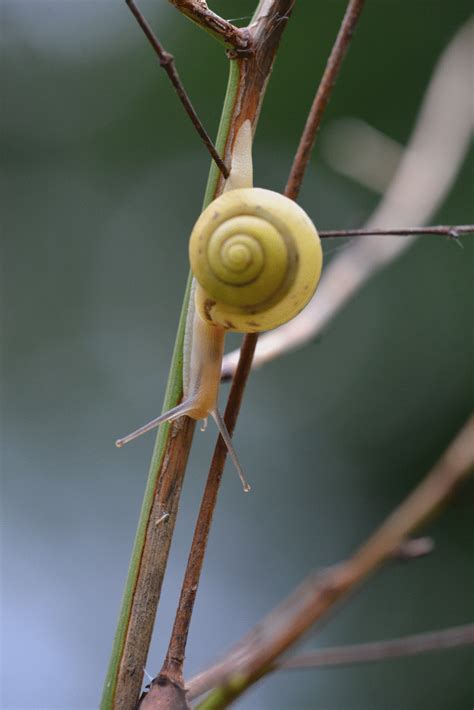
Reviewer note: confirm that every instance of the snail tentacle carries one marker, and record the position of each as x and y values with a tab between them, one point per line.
224	432
179	411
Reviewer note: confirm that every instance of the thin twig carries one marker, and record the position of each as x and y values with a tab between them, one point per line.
168	63
453	231
224	30
322	97
255	655
382	650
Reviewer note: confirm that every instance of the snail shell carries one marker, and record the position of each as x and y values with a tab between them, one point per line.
257	258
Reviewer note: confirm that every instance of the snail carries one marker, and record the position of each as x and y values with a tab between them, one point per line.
256	259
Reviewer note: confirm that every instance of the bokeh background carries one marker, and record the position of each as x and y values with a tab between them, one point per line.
103	178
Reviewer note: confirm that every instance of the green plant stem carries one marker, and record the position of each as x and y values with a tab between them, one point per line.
172	397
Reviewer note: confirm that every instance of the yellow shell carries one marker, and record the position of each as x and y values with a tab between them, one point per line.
257	258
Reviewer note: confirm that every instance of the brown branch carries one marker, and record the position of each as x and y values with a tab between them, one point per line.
168	64
322	97
198	12
175	655
255	655
454	231
382	650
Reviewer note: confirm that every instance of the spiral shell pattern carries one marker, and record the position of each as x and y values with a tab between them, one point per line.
257	258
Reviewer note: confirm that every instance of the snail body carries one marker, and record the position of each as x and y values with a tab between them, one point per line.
256	259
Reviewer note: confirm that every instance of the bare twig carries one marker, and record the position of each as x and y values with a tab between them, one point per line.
425	175
198	12
322	97
255	655
382	650
167	62
454	231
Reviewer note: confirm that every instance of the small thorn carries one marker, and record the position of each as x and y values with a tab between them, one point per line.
119	443
455	236
148	676
203	426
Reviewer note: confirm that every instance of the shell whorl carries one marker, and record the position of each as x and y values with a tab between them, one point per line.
257	258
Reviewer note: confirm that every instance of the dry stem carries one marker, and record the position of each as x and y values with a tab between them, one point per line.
453	231
322	97
255	655
375	651
175	655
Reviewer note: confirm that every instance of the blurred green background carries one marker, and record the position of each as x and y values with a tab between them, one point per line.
103	179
